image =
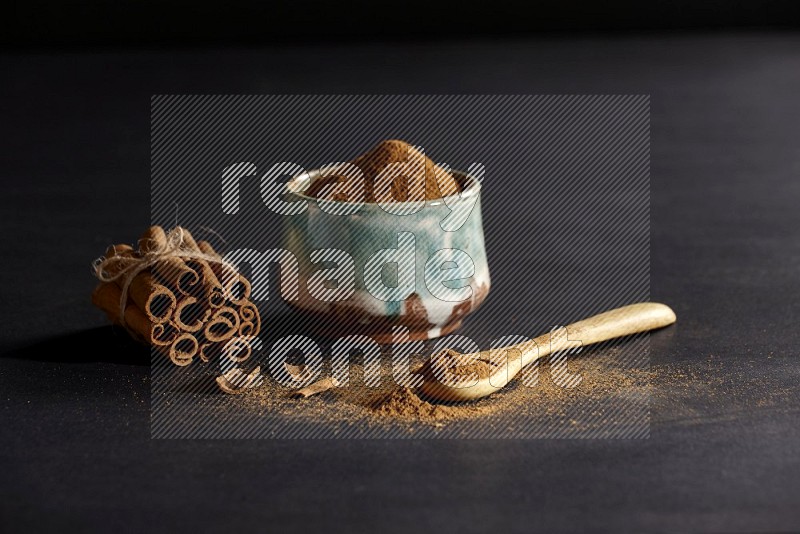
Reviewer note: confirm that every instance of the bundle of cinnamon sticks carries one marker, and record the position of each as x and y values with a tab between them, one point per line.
179	297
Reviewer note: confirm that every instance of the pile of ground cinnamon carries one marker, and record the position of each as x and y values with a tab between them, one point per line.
415	167
404	403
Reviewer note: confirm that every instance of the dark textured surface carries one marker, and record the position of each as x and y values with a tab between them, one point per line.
76	452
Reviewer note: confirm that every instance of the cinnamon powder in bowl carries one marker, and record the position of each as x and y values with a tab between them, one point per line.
384	157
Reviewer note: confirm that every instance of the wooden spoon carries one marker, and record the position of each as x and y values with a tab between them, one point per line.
498	367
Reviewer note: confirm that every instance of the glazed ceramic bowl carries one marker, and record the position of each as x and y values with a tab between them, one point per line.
429	293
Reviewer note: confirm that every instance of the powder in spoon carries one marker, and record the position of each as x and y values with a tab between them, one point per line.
459	366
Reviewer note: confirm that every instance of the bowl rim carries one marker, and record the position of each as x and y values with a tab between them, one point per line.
473	188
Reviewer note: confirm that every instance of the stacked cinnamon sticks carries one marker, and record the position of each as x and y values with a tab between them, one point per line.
181	298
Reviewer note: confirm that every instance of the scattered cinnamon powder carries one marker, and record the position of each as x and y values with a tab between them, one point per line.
604	380
614	387
438	182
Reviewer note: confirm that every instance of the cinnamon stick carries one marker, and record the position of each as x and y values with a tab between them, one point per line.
106	296
237	381
172	272
190	314
247	328
223	325
238	290
157	301
209	286
301	373
226	274
317	387
183	349
249	314
237	287
163	334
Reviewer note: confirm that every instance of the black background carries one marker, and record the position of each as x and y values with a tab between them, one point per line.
188	22
76	452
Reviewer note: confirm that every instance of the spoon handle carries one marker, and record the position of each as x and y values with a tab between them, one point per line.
619	322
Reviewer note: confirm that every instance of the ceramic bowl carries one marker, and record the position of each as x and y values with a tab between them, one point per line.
429	293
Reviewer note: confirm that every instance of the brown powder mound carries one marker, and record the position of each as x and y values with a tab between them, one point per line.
403	403
438	182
